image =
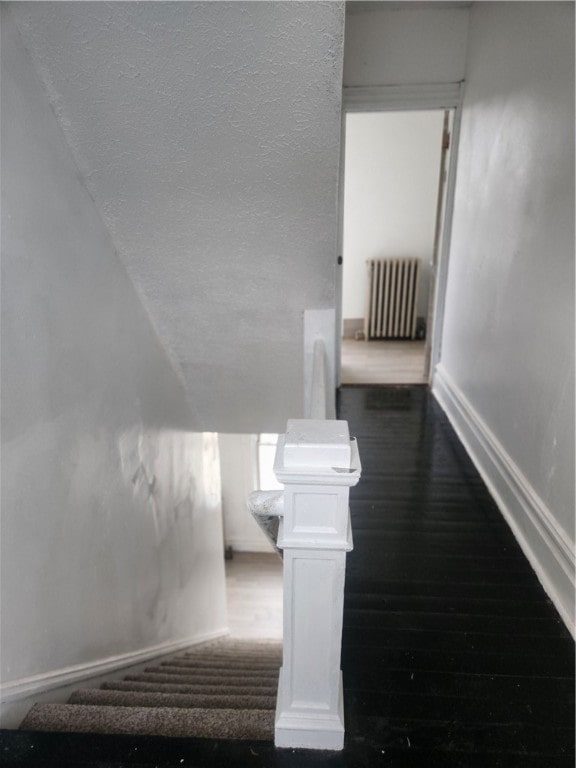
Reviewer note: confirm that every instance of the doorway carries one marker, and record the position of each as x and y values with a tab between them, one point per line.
395	175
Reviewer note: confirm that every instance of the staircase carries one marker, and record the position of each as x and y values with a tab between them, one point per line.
223	690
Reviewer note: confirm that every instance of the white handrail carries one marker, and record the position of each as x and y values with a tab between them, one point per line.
319	364
321	404
267	507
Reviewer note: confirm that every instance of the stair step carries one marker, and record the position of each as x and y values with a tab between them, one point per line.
222	682
238	646
242	658
153	721
224	690
249	645
157	699
246	652
188	688
222	674
252	666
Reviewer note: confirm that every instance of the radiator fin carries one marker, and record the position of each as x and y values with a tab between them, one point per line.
392	298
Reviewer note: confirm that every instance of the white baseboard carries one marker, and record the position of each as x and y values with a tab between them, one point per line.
546	545
250	545
36	684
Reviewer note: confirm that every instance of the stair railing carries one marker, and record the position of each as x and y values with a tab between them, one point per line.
317	462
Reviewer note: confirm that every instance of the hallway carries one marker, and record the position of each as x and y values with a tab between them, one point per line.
452	654
156	294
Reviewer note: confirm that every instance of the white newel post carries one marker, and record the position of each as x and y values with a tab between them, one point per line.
317	463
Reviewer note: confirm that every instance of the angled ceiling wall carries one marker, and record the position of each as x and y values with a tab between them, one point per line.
208	136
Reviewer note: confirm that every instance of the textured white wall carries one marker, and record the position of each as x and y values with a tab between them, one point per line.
208	135
111	520
389	44
391	189
239	470
508	341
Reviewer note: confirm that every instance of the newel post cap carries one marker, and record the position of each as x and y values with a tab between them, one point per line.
317	451
317	443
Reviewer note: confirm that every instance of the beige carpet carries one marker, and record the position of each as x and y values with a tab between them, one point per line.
223	690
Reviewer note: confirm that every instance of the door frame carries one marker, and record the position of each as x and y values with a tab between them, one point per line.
405	98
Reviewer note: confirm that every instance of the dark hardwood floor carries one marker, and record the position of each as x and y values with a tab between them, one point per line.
452	653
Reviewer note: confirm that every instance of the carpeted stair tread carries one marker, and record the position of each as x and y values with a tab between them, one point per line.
201	664
223	656
158	699
217	674
228	682
233	659
263	653
260	658
200	690
219	690
260	653
249	645
152	721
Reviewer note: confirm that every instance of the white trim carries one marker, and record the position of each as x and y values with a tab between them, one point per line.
381	98
444	255
320	324
27	686
544	542
309	730
339	274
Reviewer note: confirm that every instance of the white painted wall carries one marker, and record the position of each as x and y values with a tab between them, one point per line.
111	518
404	44
391	188
208	135
507	366
239	470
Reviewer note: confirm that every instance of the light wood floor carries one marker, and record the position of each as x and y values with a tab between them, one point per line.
383	362
254	592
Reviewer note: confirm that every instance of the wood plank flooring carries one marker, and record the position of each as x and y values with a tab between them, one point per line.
452	653
382	362
451	649
254	592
